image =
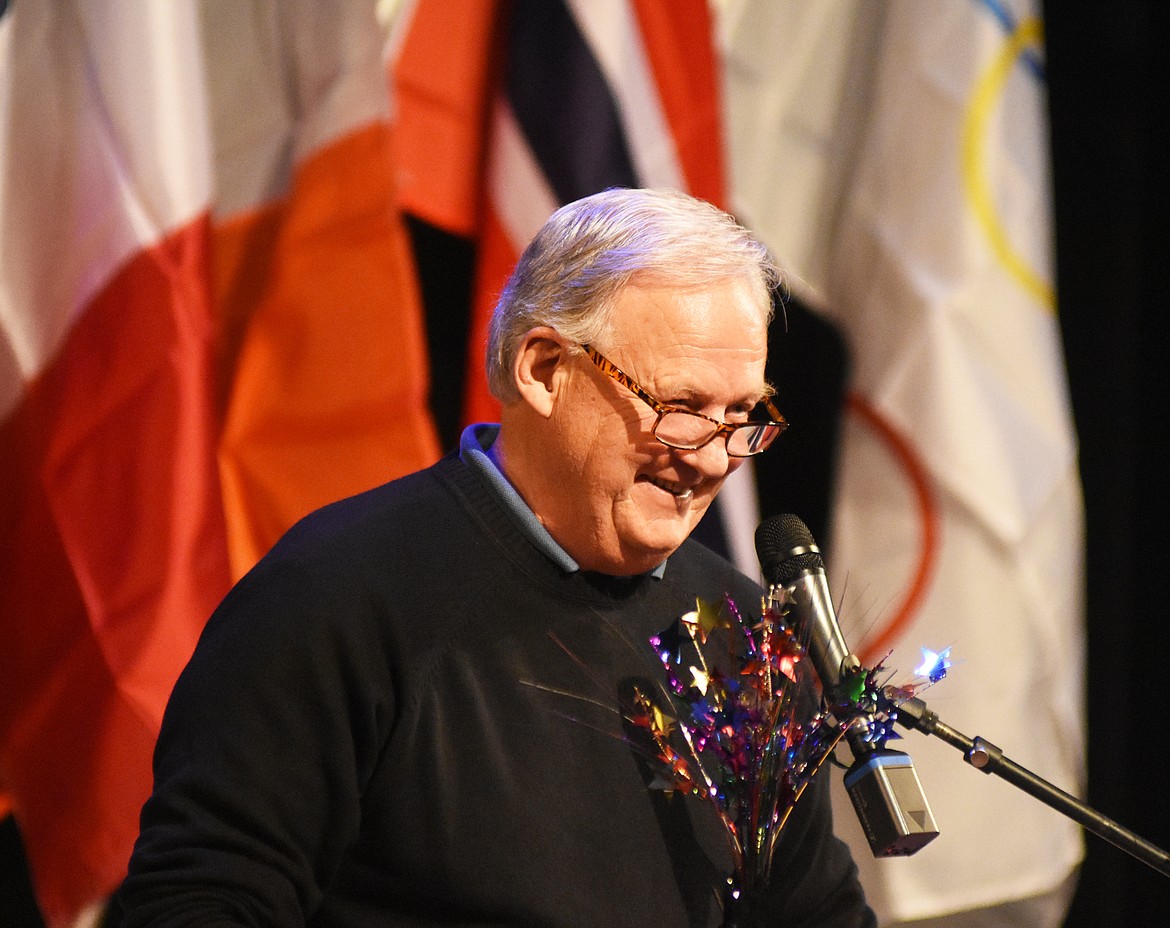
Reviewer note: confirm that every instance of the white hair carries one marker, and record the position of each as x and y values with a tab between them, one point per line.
571	273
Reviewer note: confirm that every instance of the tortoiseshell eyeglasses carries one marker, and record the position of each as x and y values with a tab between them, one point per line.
688	431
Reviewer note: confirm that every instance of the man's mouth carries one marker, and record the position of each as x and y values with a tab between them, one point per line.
682	494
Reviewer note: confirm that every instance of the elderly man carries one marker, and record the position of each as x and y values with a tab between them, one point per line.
409	712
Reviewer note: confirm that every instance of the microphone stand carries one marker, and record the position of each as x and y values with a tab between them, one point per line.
985	756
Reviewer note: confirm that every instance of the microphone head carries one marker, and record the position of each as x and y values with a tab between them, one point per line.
786	549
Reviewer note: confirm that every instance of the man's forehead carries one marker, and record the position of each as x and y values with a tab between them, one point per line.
697	366
725	305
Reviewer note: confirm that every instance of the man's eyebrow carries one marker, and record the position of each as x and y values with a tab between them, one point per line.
689	395
767	391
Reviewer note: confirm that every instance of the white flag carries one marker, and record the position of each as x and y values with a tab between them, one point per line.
895	157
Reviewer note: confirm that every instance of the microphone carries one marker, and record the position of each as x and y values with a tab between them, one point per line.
882	783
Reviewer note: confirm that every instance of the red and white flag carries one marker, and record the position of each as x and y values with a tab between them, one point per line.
208	326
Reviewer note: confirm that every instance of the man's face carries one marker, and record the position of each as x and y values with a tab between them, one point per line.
625	500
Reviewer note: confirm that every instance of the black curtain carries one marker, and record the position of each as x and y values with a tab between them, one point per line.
1107	71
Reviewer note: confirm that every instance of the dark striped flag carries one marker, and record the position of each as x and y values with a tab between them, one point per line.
507	111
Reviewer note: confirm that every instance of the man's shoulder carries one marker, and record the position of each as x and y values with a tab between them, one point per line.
362	533
348	573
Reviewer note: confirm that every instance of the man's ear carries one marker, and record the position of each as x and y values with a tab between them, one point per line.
540	368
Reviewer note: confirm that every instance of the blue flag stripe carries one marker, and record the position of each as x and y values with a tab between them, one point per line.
563	104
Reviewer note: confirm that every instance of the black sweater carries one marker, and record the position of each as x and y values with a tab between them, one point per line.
407	715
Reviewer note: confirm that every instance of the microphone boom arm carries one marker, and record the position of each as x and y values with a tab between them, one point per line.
985	756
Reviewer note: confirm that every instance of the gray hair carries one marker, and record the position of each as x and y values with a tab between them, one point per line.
571	273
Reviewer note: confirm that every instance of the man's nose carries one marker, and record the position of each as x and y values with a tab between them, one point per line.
712	460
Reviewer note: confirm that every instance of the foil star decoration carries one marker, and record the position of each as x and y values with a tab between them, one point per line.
746	726
742	728
705	618
935	664
741	721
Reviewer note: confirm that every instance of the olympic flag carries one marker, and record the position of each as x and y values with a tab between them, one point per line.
895	157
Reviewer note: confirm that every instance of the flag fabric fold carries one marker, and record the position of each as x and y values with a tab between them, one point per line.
208	325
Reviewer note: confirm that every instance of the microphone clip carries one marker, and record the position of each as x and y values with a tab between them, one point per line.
887	796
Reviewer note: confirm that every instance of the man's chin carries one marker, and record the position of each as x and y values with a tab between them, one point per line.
656	545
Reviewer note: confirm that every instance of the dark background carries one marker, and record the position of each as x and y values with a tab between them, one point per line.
1107	64
1107	73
